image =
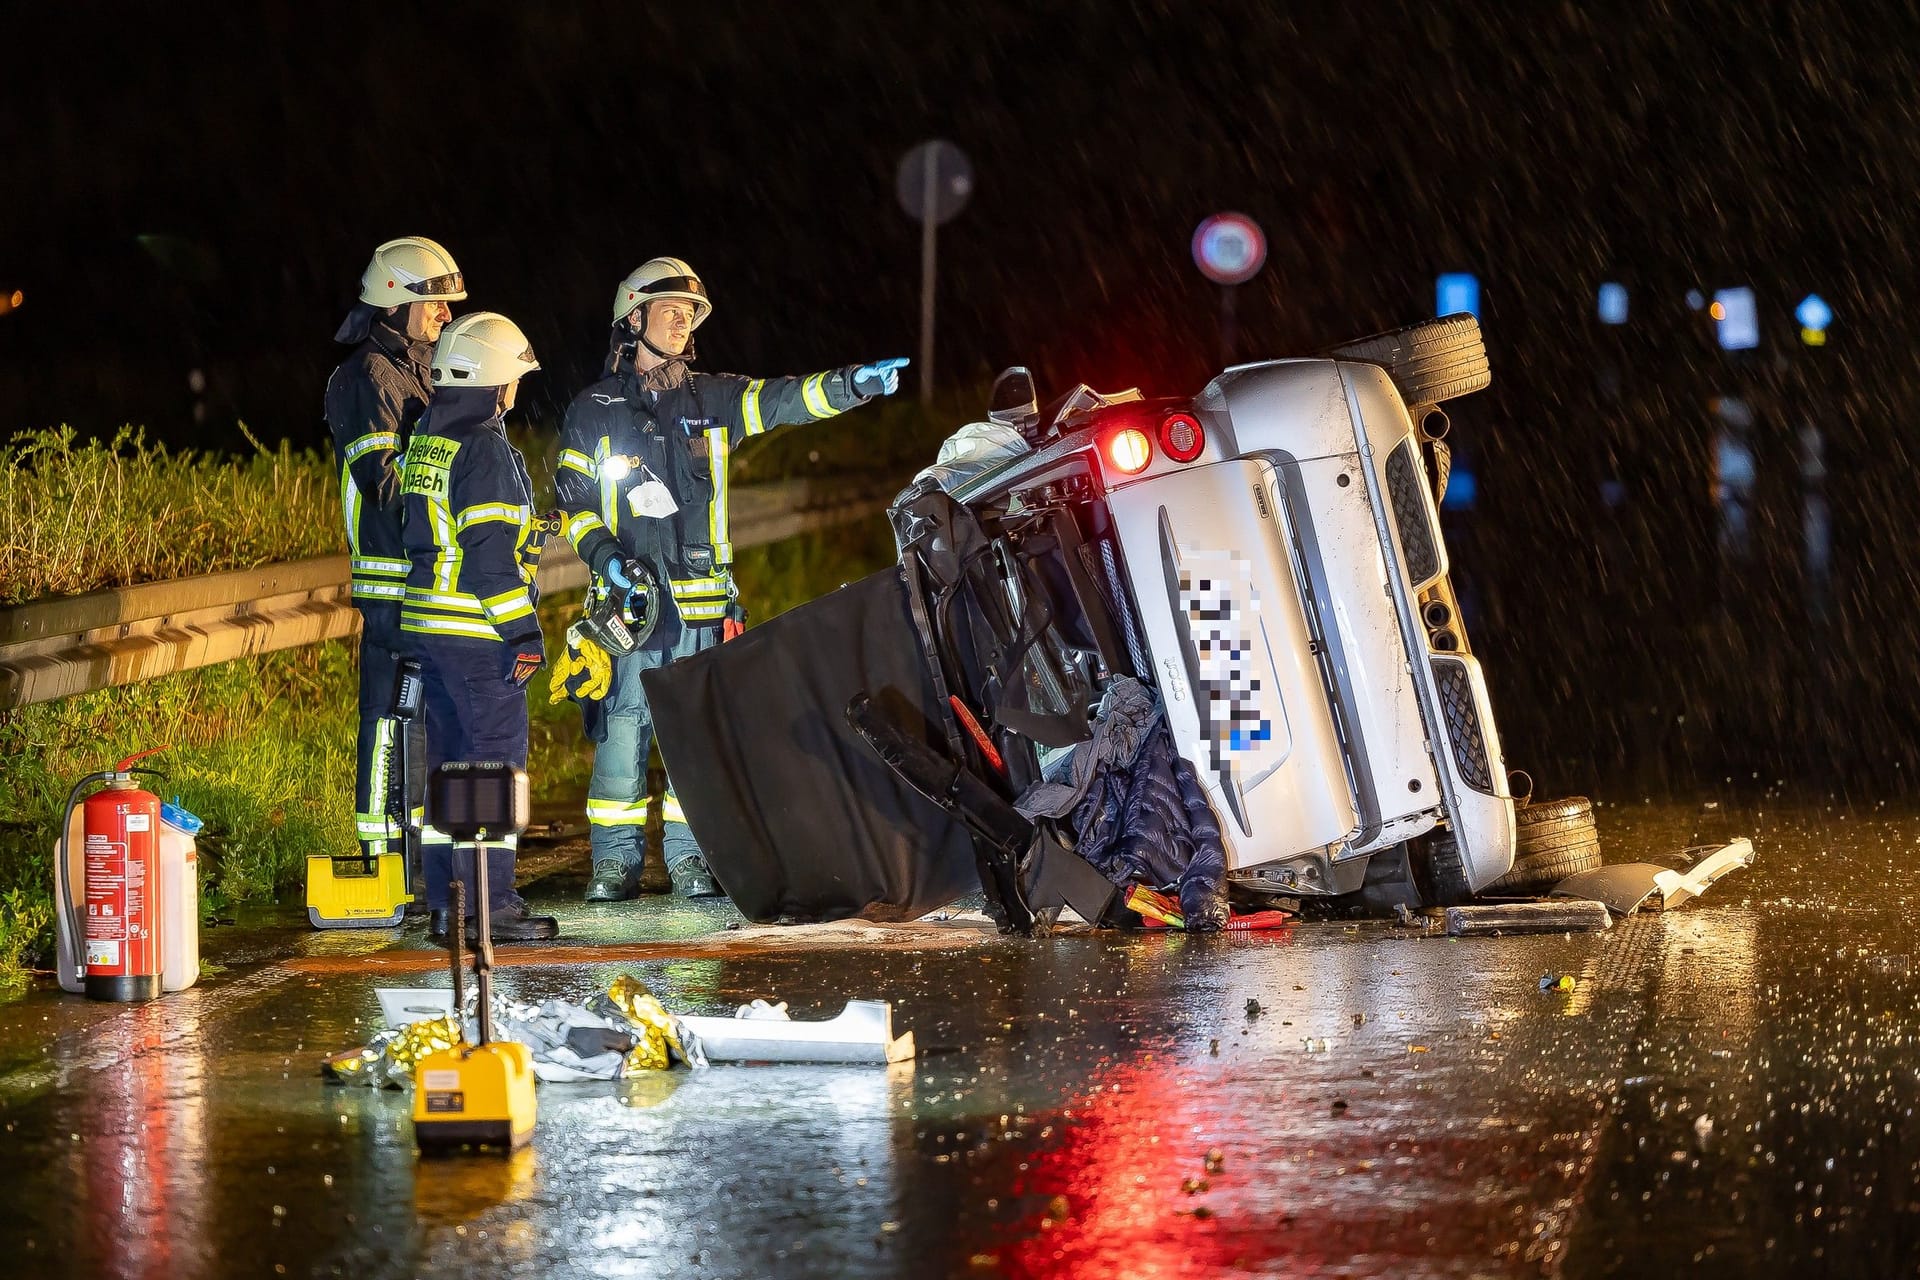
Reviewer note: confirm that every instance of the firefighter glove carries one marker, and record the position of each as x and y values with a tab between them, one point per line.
881	378
583	673
522	658
734	625
615	572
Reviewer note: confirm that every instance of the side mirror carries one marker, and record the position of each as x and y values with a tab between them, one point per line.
1013	402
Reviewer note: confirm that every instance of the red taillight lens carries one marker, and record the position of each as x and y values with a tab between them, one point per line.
1181	438
1129	451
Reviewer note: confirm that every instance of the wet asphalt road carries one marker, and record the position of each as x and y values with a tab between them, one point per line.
1728	1088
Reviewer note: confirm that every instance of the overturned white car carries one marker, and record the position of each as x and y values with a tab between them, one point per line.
1266	555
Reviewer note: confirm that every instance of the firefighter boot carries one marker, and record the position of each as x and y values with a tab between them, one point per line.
692	879
611	882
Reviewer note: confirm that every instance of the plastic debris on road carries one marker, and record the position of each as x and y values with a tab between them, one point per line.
1558	982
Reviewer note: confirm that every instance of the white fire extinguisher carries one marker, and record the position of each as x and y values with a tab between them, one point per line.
126	888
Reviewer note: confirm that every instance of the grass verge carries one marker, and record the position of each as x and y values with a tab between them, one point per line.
84	515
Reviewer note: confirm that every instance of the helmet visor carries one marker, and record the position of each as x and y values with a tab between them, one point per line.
677	284
439	286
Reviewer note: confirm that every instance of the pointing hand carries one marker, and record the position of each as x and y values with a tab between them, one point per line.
881	378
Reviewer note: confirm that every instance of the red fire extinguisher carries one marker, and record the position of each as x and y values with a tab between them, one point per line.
115	923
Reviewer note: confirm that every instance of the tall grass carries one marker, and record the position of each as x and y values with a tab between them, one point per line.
80	516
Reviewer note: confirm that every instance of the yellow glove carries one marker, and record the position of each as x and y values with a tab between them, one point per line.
558	673
598	669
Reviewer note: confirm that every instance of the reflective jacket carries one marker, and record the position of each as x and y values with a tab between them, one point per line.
469	525
620	433
373	400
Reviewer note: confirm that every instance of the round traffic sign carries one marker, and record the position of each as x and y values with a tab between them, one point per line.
937	169
1229	248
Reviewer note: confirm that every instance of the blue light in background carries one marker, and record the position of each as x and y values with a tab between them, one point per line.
1613	303
1455	292
1738	318
1813	313
1462	489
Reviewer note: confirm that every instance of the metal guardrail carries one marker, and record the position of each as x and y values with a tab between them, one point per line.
76	644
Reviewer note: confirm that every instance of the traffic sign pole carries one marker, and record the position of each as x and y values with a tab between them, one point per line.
933	184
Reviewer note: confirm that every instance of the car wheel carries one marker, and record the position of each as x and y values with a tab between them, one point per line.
1552	840
1439	360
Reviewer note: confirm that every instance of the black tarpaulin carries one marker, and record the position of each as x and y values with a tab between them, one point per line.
798	818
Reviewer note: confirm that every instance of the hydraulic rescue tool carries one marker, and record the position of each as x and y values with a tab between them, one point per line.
126	890
365	890
475	1095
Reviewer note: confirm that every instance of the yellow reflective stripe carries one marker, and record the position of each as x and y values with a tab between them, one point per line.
574	460
580	524
698	586
435	625
814	392
368	443
350	508
750	407
459	602
379	591
609	489
691	612
719	448
380	565
446	564
671	809
486	511
508	605
373	826
616	813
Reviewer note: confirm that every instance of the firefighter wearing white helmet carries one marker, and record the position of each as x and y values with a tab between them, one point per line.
642	482
473	543
372	401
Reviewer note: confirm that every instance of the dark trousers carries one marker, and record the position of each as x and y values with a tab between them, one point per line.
375	786
473	713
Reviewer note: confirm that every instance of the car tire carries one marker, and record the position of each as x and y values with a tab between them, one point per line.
1440	360
1551	841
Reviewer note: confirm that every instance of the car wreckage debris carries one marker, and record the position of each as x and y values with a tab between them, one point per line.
1527	917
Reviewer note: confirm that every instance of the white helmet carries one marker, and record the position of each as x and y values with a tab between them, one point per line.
411	269
484	349
662	278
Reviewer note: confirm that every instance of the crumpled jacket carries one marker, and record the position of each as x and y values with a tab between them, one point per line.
1136	810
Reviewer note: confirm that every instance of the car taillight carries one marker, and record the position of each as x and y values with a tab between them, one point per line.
1181	438
1129	451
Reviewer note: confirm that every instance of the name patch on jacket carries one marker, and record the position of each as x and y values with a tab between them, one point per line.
429	466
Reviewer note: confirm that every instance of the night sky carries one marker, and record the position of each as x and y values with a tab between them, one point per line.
200	189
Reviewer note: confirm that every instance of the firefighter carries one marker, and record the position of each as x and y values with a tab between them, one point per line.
642	483
373	400
472	545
